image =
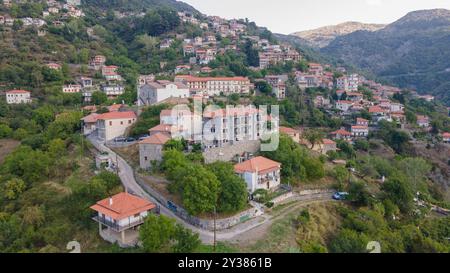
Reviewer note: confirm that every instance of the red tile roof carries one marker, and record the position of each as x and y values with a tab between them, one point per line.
205	79
287	130
376	109
328	141
115	107
341	132
162	128
117	115
123	205
92	118
17	92
258	164
158	139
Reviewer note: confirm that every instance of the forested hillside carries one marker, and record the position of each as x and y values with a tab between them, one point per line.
412	52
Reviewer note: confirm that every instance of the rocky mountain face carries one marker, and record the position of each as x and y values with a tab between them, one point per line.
323	36
413	52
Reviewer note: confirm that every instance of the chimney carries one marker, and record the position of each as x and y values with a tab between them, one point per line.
110	201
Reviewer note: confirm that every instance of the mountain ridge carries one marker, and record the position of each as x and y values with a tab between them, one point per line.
412	52
321	37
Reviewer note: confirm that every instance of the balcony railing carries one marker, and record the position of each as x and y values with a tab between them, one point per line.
116	227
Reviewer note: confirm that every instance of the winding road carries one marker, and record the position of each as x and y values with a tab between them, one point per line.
126	175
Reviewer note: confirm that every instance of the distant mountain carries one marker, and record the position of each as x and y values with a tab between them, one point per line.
413	52
138	5
323	36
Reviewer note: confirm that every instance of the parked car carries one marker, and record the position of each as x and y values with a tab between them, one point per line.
130	139
143	137
340	196
120	139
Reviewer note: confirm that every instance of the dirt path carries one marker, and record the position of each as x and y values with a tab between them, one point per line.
6	147
262	230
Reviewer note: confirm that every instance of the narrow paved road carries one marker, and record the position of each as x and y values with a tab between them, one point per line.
126	175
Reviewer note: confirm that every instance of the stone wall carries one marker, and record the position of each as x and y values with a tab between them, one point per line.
228	152
206	224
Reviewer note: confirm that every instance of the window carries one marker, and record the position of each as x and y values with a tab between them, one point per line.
110	123
129	121
121	123
145	158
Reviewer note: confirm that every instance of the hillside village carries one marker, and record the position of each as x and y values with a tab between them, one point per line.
196	119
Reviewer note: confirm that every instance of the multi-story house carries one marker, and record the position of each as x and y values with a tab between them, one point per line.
344	105
113	90
341	134
214	86
360	131
260	173
423	121
86	82
316	69
18	97
155	92
151	149
278	85
71	88
342	83
120	216
294	134
114	124
353	82
362	122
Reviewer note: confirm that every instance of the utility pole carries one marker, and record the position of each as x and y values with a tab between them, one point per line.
214	247
117	165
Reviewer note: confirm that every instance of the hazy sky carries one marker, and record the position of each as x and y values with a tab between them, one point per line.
287	16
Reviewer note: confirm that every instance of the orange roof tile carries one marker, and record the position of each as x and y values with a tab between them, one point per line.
123	205
158	139
258	164
92	118
328	141
341	132
117	115
17	92
287	130
115	107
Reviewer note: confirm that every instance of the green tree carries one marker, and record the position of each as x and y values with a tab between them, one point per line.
99	98
156	233
5	131
14	188
186	240
200	189
348	241
399	192
233	190
313	136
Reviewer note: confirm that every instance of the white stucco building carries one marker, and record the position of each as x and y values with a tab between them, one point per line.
18	97
259	173
215	86
155	92
114	124
120	216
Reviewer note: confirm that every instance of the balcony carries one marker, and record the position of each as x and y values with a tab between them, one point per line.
116	227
